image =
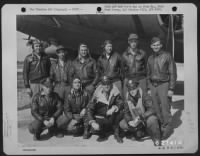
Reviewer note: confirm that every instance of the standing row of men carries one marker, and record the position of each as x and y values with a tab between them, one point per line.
124	93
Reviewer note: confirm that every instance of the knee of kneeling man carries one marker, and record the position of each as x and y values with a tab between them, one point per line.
123	125
151	120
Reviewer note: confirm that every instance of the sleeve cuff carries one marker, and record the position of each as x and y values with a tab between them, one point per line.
91	121
116	108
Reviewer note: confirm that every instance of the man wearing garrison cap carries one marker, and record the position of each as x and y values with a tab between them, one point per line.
134	60
162	75
36	67
60	72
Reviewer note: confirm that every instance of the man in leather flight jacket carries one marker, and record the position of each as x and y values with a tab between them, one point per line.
162	75
134	63
84	66
109	64
61	73
36	67
103	111
75	104
46	107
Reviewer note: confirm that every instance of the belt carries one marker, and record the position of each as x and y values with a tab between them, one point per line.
156	83
99	117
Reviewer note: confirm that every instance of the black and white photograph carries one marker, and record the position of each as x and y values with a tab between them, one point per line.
112	81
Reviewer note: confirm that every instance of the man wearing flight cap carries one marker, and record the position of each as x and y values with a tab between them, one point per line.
46	107
134	63
85	67
162	75
60	73
36	67
103	111
139	115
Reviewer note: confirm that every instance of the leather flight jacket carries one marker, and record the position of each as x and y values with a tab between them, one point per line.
87	71
134	65
111	67
44	108
35	69
161	68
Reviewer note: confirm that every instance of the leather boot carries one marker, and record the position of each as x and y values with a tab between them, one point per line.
117	135
86	133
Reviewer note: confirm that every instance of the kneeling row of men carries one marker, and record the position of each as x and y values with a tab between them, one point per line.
104	112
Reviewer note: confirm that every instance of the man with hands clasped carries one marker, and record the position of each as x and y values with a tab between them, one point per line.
103	111
46	107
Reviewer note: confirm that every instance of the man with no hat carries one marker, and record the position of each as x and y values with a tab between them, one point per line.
134	63
72	121
109	64
104	111
61	73
139	115
162	75
84	66
36	67
46	107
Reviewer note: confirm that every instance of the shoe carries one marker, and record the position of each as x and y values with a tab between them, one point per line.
166	132
118	138
36	137
102	138
86	134
157	142
59	135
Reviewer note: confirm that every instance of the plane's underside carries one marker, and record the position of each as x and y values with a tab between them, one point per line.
71	30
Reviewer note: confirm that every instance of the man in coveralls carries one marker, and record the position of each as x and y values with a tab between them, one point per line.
139	115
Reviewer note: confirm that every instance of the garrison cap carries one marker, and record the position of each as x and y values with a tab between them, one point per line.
36	41
155	39
133	37
60	47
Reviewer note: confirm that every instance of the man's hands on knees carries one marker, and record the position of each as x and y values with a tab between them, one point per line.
94	125
82	113
112	110
49	123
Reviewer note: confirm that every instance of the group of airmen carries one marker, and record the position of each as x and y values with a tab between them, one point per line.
124	95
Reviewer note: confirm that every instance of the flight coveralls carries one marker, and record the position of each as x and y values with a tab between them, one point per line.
162	76
140	106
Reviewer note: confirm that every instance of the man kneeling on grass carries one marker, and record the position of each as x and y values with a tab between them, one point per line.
46	107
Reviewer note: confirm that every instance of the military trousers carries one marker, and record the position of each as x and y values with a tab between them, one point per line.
161	103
